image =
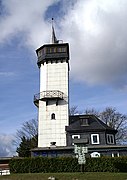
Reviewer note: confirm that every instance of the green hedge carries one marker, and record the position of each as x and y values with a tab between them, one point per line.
41	164
45	165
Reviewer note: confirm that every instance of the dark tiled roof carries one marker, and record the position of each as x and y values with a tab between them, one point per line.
94	124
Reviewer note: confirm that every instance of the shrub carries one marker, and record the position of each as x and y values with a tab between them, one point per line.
67	164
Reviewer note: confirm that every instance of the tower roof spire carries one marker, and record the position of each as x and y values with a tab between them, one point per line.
54	39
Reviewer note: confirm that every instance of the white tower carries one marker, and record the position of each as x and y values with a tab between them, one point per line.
52	101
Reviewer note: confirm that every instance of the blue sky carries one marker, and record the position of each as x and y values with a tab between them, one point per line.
96	32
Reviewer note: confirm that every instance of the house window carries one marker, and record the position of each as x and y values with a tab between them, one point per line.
116	154
95	138
52	116
75	136
110	139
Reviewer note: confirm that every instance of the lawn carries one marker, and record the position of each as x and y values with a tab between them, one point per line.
68	176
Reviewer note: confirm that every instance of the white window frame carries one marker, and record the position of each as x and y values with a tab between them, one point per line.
98	141
115	154
75	135
110	135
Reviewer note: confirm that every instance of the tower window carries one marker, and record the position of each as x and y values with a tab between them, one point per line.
61	49
47	50
52	116
52	143
52	50
40	53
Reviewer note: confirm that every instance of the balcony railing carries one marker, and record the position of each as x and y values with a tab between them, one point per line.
54	94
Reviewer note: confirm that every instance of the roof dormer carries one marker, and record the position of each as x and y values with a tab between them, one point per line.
84	121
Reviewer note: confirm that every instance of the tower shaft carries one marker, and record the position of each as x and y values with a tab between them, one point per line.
53	101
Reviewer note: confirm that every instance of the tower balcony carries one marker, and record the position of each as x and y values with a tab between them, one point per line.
48	95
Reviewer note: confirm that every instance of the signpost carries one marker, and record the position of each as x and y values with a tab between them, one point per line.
80	149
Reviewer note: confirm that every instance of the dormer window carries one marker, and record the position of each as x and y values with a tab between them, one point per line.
84	122
52	116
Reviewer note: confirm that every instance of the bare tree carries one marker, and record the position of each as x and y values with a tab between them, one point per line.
113	119
92	111
117	121
74	110
29	130
27	138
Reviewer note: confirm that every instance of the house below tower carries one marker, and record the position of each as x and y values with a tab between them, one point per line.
100	139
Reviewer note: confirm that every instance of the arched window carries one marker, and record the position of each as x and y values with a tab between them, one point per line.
52	116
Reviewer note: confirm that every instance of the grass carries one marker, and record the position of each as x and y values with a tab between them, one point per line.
67	176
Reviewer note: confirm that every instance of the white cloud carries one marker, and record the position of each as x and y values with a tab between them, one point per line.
95	29
7	148
25	17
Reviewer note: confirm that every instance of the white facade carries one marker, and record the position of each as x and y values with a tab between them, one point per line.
53	115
